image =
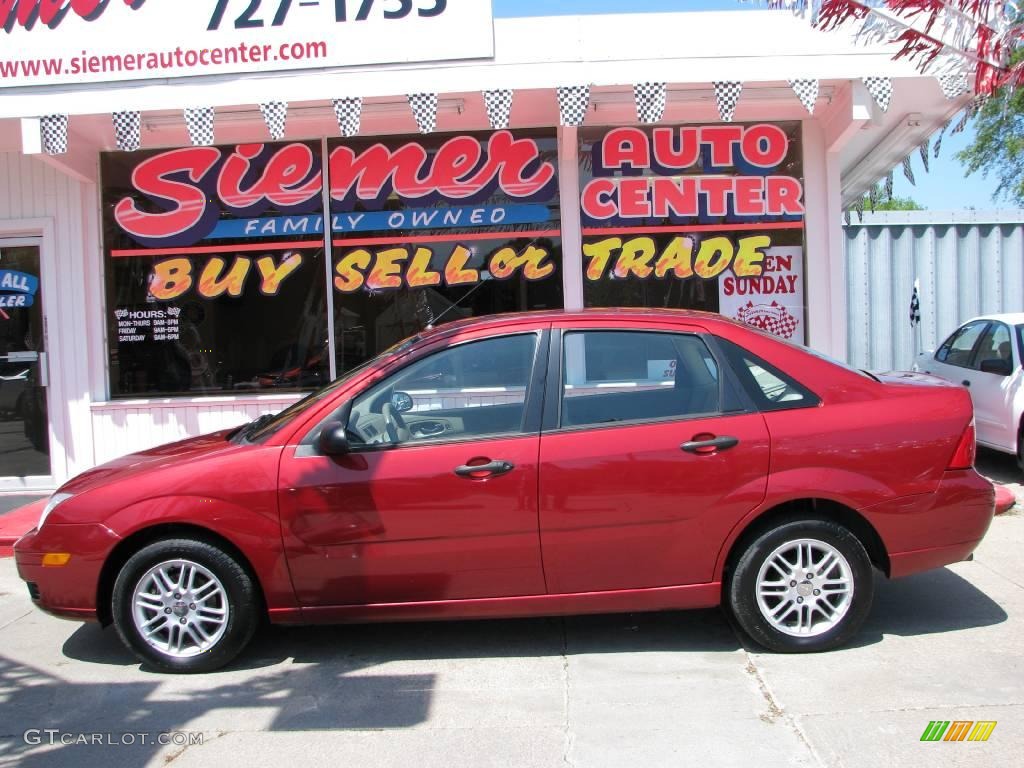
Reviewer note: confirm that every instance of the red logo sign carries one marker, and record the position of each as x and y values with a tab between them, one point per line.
641	175
186	185
51	13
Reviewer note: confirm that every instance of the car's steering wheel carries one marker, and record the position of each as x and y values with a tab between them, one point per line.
394	425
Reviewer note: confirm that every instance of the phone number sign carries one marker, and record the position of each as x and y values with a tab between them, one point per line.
63	42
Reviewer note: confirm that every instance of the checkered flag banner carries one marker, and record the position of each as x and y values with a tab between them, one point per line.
970	111
923	150
424	109
727	93
127	130
53	130
938	141
349	114
650	101
954	85
275	115
908	171
880	89
965	116
888	185
773	318
846	217
573	102
499	108
859	208
915	306
807	92
872	197
199	121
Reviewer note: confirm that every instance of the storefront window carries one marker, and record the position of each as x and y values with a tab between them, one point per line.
216	266
215	270
696	217
431	230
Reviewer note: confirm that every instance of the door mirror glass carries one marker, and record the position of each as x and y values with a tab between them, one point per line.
996	365
333	440
401	402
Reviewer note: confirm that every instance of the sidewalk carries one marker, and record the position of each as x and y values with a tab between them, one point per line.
18	514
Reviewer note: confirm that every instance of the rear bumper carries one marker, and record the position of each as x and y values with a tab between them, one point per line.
906	563
935	529
68	591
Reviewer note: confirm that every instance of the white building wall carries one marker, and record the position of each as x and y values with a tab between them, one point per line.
38	201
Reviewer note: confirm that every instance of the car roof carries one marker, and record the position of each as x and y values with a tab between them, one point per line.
595	313
1011	318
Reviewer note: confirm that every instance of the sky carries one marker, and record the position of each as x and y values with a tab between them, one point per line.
945	187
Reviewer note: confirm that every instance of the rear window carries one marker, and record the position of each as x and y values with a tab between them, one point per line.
766	385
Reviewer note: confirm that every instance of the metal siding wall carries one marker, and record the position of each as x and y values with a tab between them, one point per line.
966	266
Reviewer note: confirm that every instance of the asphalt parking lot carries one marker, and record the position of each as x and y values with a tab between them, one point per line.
646	690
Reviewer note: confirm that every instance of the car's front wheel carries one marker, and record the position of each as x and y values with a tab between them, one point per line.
806	585
184	605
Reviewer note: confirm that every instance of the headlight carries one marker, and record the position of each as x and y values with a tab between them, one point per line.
51	505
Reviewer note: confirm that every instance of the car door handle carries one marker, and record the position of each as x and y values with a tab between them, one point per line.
966	383
709	445
481	471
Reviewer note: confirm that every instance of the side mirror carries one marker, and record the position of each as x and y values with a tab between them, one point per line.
333	440
401	402
996	365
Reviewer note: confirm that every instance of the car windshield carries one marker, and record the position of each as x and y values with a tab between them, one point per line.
268	424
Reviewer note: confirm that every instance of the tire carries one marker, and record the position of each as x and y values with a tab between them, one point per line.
203	628
813	614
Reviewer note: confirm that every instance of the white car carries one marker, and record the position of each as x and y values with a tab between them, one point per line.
984	354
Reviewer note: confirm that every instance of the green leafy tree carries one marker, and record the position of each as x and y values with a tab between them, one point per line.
882	203
998	146
899	204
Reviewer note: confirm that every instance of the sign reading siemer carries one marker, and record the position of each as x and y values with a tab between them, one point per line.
65	42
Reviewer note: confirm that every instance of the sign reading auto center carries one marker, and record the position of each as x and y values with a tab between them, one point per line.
706	217
64	42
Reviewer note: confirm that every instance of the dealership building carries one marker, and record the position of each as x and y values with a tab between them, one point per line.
196	232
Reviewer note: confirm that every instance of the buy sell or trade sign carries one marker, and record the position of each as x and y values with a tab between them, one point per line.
374	269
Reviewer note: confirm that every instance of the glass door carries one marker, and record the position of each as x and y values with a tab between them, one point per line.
24	424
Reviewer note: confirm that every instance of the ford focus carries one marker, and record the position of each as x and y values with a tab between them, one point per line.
521	465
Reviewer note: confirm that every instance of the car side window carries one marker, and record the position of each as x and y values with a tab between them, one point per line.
995	346
957	349
469	390
621	376
766	385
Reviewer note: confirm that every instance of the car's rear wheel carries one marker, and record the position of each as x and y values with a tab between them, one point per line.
804	586
184	605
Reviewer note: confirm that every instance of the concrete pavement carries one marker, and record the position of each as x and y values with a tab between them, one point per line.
670	689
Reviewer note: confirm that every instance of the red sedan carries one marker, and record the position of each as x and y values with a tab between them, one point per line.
521	465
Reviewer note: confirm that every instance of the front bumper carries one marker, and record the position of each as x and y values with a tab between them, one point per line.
68	591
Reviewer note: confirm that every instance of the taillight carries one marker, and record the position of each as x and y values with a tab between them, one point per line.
963	456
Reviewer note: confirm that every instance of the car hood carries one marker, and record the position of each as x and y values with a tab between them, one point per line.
175	454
